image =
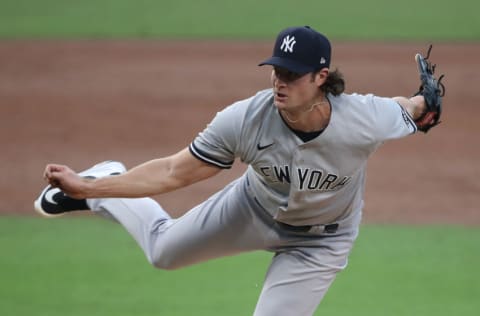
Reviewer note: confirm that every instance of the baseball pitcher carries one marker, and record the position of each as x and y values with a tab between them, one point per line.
306	144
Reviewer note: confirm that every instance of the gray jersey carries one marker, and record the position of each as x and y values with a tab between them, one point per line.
303	183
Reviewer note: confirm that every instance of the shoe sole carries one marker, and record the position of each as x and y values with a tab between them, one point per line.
99	170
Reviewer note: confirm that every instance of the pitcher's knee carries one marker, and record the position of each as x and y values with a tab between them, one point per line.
165	264
162	261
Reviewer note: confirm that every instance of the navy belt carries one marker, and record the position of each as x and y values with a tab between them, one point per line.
328	229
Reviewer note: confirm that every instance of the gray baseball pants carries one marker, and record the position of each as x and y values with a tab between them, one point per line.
232	222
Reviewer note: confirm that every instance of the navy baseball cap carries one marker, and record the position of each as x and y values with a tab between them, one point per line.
300	50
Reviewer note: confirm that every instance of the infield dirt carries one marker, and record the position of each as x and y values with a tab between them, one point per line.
81	102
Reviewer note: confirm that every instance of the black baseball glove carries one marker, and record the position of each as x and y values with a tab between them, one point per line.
432	90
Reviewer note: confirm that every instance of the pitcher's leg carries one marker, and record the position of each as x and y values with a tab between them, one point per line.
139	216
223	225
292	287
299	277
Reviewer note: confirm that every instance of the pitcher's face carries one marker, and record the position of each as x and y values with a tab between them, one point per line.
296	92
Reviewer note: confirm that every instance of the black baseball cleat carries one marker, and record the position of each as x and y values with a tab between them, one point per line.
53	202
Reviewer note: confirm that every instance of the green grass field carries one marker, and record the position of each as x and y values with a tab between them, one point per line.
89	266
348	19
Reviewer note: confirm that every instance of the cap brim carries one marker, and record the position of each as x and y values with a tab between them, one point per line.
288	64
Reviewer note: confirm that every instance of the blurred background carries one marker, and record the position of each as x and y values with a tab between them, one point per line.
86	81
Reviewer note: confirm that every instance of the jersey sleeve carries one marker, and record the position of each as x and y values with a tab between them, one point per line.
217	144
392	121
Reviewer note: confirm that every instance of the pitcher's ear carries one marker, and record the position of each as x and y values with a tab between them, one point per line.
321	76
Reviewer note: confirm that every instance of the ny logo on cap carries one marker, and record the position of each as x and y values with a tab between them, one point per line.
287	44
